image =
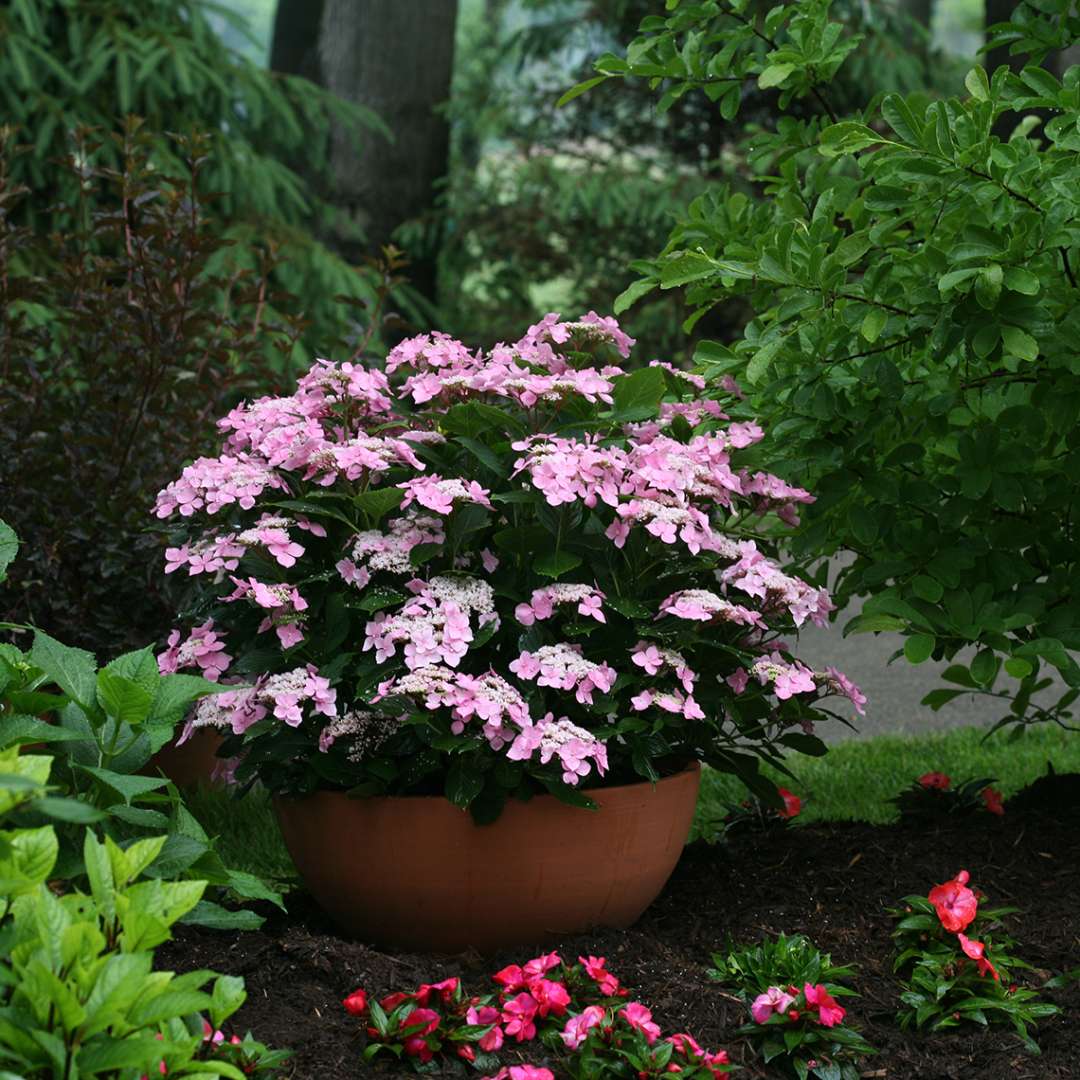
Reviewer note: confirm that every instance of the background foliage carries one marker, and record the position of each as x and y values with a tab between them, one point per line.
69	65
117	341
545	208
913	280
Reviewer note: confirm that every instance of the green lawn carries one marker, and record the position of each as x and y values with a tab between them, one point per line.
853	782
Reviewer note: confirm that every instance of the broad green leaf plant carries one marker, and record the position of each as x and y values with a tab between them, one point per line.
79	996
911	280
102	728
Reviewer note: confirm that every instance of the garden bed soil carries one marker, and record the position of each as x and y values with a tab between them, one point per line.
832	883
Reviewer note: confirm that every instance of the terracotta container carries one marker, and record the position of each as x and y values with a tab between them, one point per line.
416	873
190	764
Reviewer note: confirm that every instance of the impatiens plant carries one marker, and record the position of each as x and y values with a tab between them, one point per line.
490	573
956	964
754	812
933	795
576	1012
791	991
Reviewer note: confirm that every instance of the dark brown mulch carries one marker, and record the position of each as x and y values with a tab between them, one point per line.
832	883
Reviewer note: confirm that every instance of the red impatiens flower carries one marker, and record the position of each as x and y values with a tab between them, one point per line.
416	1046
392	1001
829	1010
954	903
977	951
935	781
425	1021
356	1003
511	978
444	990
991	797
792	804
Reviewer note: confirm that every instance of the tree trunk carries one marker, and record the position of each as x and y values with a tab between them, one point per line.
921	11
394	57
998	11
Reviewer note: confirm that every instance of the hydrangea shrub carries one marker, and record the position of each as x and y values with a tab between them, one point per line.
490	573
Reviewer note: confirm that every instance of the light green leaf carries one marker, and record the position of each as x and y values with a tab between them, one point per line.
977	84
378	502
984	667
632	294
1018	667
73	670
127	787
1022	281
774	75
870	623
873	324
27	859
122	699
581	88
926	588
1019	343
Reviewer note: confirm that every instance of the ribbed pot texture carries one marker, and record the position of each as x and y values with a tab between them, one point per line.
417	873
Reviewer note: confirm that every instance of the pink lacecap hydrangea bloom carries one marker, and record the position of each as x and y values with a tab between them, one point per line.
669	481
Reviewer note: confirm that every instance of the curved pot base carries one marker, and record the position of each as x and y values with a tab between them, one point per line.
416	873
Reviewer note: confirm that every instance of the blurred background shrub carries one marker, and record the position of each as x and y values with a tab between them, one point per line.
120	342
154	273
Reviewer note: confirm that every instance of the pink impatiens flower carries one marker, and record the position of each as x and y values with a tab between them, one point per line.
482	1017
356	1003
551	997
577	1027
640	1019
522	1072
773	1001
510	978
542	964
605	981
519	1016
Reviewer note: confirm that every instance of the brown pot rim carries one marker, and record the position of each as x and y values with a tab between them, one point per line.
693	767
